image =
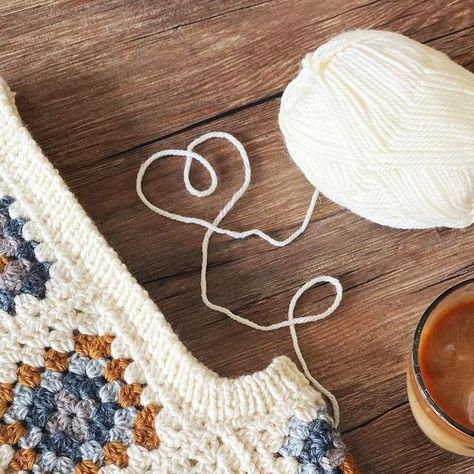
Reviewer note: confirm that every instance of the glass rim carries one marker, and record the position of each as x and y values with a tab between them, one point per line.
416	363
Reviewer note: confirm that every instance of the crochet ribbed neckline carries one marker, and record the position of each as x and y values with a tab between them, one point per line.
196	389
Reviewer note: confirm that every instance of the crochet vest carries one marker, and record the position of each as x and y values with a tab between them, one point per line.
92	377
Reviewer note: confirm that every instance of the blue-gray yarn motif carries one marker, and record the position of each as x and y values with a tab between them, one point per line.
22	273
316	445
71	415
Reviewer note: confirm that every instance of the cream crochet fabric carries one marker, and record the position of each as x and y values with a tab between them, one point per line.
93	379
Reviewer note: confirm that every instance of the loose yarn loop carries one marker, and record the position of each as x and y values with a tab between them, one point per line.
384	126
189	154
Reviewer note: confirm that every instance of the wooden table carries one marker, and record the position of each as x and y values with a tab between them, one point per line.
102	85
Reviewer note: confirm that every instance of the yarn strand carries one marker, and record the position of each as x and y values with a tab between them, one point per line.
189	155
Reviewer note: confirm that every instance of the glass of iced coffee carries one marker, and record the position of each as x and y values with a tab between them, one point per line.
440	379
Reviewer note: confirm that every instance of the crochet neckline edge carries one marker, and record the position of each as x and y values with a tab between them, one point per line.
149	335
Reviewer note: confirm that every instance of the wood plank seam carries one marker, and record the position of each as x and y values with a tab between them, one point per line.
236	110
374	418
201	20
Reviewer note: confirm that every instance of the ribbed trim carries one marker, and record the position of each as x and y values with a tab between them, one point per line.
193	388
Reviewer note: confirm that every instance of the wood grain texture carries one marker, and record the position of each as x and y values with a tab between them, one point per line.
400	448
103	85
115	76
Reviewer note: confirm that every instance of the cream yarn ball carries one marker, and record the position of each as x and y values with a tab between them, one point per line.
384	126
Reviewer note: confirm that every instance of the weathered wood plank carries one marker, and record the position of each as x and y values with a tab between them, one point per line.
98	80
78	64
393	444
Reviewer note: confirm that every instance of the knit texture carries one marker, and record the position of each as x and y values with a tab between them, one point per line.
93	379
384	126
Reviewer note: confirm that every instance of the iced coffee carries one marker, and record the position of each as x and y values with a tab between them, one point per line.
441	370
